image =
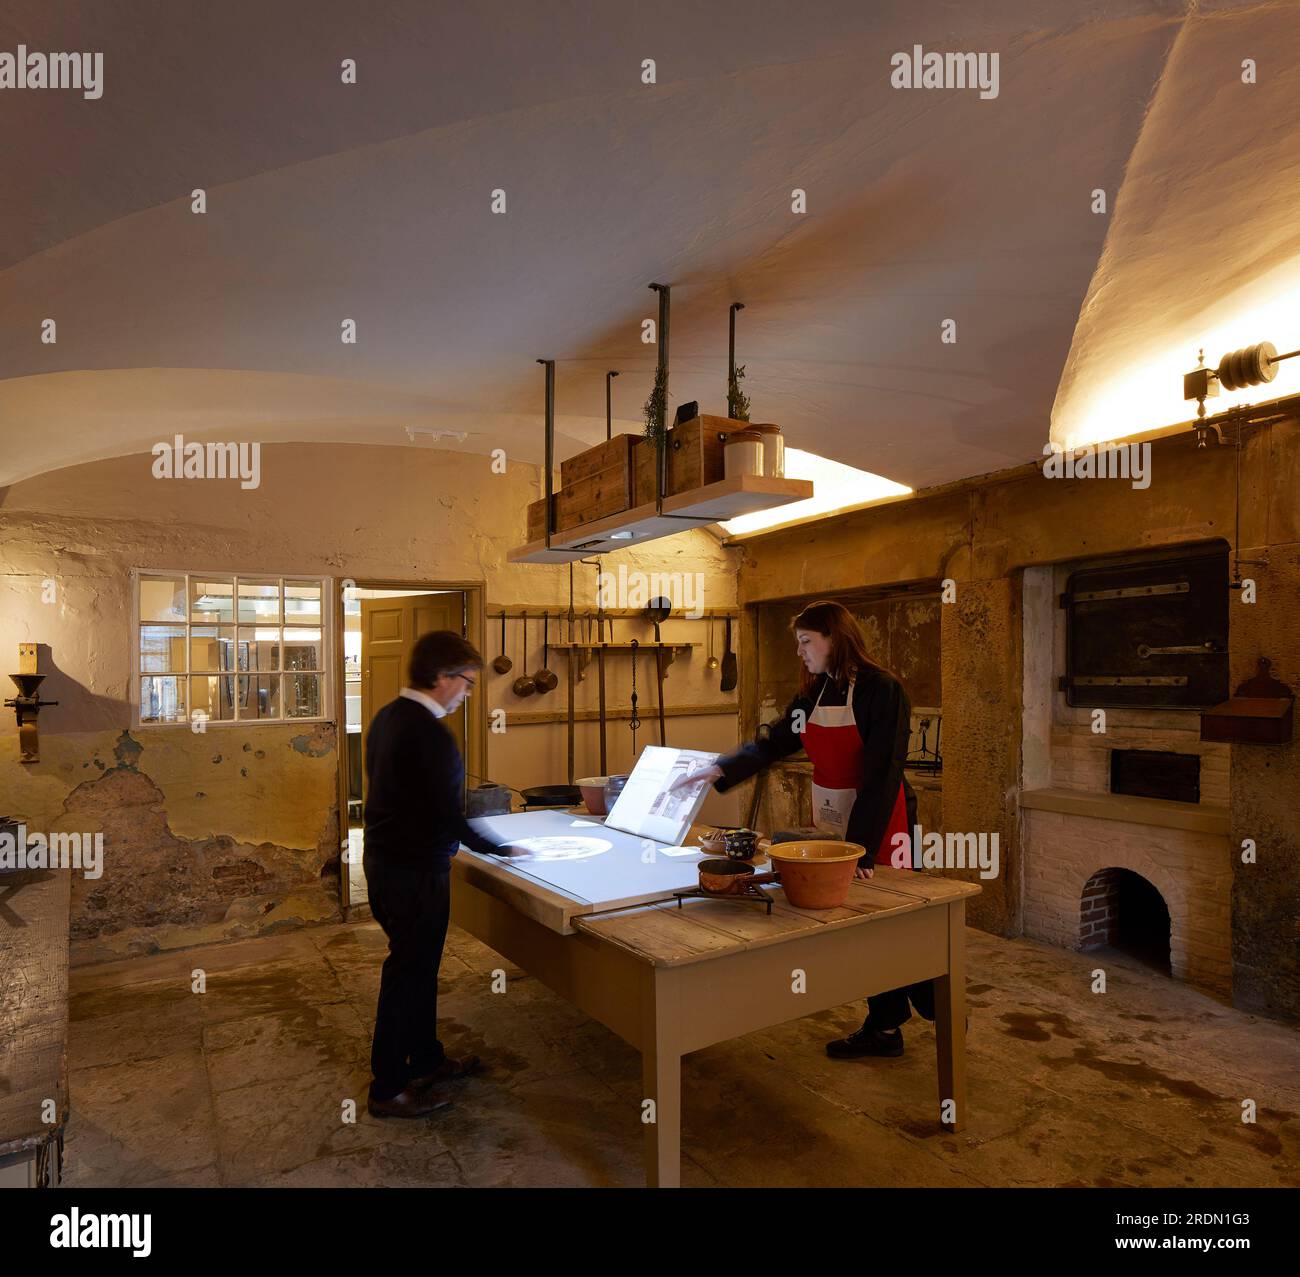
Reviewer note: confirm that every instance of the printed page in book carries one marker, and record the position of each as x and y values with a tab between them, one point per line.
650	806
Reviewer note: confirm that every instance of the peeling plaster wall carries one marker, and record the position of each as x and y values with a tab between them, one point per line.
982	534
234	831
205	836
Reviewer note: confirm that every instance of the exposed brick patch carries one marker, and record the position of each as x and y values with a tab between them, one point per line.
1064	854
241	878
1099	910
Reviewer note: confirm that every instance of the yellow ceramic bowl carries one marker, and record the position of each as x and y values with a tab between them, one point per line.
816	874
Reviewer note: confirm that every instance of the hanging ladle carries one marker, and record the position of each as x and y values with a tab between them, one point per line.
545	680
524	685
503	663
656	611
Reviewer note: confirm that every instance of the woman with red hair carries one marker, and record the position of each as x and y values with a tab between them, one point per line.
853	719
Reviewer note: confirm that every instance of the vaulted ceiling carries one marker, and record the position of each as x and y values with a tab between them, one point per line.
328	201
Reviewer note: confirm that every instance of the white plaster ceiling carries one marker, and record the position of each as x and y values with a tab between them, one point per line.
371	202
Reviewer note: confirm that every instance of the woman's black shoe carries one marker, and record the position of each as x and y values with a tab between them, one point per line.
867	1041
408	1103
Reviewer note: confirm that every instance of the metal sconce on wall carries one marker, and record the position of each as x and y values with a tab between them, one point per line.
27	705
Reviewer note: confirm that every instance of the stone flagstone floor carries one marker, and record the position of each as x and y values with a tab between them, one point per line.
245	1084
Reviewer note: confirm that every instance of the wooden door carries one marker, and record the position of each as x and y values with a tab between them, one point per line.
389	628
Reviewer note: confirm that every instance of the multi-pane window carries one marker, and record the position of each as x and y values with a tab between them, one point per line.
230	648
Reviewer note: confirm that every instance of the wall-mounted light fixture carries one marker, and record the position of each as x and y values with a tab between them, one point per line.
27	704
1252	366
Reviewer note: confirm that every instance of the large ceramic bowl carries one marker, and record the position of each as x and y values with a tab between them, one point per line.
815	874
593	793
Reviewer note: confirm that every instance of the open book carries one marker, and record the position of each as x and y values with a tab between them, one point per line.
650	807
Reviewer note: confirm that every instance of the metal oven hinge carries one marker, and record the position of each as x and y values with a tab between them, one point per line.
1122	680
1128	592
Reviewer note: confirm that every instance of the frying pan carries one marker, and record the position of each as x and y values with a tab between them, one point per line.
545	680
584	652
656	611
634	722
728	680
551	796
524	685
503	663
569	668
542	795
600	666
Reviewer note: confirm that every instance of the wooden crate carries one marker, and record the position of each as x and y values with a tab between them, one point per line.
583	500
643	472
619	474
613	454
694	456
596	483
537	519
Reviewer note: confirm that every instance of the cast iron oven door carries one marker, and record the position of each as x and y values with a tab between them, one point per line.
1149	634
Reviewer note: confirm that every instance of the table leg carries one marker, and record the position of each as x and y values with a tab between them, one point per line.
950	1024
661	1065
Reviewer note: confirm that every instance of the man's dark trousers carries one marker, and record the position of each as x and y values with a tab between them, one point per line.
413	906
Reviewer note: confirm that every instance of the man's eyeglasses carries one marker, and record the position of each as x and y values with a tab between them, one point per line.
470	683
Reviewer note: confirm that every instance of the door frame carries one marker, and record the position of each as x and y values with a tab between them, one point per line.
476	716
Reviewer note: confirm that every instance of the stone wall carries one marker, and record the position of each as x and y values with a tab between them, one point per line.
235	831
981	666
988	536
1265	800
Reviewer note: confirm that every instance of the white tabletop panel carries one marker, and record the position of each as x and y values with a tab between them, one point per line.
579	857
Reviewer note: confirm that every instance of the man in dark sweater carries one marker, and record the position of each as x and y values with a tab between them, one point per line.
414	826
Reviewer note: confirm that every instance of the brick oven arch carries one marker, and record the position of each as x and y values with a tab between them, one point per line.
1172	892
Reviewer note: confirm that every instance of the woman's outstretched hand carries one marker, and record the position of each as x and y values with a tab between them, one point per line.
709	774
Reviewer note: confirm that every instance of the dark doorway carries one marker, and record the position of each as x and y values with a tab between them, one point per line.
378	622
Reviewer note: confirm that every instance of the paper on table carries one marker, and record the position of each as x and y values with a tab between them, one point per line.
649	806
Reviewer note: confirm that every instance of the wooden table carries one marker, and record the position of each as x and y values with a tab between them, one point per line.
670	979
34	916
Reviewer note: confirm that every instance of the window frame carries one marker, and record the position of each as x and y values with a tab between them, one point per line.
326	672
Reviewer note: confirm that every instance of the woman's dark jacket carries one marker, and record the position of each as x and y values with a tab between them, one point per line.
883	714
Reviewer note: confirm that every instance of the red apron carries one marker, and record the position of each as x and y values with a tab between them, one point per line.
832	740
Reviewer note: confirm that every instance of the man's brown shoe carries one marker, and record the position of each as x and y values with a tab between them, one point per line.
408	1103
448	1071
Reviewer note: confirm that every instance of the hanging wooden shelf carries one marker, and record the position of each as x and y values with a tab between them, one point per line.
713	503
